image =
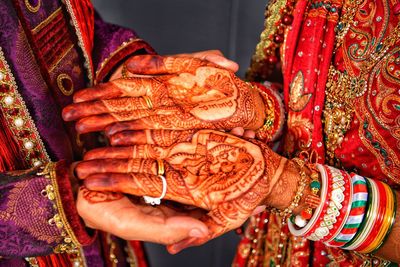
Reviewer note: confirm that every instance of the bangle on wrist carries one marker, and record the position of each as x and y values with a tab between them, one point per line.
285	214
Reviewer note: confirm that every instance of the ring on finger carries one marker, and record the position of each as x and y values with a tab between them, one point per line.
148	101
157	200
160	167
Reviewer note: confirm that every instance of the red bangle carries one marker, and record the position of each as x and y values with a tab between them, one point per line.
326	204
378	220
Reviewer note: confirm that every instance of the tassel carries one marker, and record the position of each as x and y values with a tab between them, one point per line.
10	158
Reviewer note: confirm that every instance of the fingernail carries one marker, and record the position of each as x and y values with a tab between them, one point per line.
196	233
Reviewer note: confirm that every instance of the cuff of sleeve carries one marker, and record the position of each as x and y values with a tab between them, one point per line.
274	111
121	53
67	219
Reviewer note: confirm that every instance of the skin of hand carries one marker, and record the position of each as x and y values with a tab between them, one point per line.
116	214
213	56
225	175
185	93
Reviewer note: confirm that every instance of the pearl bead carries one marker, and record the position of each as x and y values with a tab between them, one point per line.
300	221
37	163
28	144
8	100
1	76
18	122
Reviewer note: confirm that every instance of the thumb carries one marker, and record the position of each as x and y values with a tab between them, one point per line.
179	228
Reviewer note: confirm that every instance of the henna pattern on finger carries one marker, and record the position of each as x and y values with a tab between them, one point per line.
218	172
194	95
167	138
94	197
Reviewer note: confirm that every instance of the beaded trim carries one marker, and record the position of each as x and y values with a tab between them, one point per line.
278	18
18	118
70	243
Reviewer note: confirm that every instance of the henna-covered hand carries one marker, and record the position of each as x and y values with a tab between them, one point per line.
223	174
116	214
185	93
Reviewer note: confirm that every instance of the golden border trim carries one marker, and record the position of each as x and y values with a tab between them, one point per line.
70	242
45	22
87	64
60	85
116	51
13	100
31	8
63	55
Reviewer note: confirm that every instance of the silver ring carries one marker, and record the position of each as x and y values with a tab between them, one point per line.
157	200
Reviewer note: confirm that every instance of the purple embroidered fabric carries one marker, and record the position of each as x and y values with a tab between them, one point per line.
24	211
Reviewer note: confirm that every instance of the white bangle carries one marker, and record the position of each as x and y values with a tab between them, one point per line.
157	200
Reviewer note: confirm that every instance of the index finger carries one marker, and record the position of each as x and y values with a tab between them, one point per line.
123	87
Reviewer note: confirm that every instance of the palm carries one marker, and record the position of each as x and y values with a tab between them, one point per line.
116	214
220	173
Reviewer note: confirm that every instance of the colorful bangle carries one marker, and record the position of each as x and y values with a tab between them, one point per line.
383	220
371	210
325	189
334	207
357	212
312	200
344	211
274	112
377	220
391	220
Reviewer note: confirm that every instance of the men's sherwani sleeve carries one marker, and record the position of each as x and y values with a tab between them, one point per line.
38	214
112	45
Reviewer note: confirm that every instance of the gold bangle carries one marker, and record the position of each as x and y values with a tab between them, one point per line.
299	193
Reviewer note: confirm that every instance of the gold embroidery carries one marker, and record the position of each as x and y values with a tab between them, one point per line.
32	8
20	206
122	46
298	99
342	89
278	17
61	79
71	243
44	23
52	67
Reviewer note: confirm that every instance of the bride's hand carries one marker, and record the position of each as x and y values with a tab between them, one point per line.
218	172
182	93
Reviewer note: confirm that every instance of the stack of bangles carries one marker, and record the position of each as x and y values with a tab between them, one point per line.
354	213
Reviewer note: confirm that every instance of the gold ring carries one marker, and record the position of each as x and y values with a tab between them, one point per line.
148	102
160	167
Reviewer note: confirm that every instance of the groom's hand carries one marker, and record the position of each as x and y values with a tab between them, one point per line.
116	214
